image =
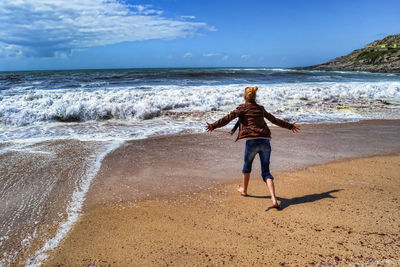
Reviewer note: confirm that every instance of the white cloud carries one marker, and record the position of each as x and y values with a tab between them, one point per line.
211	55
48	28
188	17
226	57
145	10
244	57
187	55
10	50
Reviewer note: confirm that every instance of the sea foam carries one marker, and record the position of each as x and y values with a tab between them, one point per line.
139	112
74	206
132	103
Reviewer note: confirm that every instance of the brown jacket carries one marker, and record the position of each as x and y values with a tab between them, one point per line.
251	119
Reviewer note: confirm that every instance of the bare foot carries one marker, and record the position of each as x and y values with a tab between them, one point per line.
275	204
241	190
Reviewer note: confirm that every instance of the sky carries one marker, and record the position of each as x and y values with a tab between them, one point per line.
95	34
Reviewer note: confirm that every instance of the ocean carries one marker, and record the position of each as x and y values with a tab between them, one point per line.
138	103
57	126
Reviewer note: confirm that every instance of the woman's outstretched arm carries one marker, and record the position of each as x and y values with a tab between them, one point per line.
281	123
223	121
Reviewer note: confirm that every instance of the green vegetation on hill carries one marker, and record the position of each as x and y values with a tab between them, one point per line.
378	56
373	55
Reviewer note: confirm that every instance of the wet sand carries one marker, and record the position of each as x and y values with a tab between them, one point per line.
38	183
172	201
158	167
342	213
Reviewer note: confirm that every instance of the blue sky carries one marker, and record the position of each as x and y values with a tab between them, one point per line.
74	34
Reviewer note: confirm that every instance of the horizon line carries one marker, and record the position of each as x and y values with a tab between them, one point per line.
131	68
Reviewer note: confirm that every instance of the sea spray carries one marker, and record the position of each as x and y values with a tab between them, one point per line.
129	112
131	103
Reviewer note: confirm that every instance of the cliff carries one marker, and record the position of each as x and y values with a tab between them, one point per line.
378	56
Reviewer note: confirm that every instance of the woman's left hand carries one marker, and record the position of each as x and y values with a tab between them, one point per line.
209	128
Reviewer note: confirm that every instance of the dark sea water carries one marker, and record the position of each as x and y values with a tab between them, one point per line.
146	102
57	126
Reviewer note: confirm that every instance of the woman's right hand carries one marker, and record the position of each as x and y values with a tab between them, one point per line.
295	128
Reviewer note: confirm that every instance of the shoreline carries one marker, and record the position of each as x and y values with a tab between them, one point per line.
318	67
335	213
160	166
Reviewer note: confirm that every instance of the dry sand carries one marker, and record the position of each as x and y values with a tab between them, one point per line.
338	213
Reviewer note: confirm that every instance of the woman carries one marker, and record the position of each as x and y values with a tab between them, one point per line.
257	134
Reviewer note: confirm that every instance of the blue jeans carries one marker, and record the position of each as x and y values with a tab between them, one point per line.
263	148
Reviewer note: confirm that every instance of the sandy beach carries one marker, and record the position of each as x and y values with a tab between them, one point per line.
163	166
338	214
150	206
116	145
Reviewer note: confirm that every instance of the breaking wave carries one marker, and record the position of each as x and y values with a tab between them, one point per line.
144	103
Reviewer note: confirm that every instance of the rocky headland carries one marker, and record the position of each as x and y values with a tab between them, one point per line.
379	56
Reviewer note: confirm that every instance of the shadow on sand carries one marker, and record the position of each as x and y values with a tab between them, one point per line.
286	202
